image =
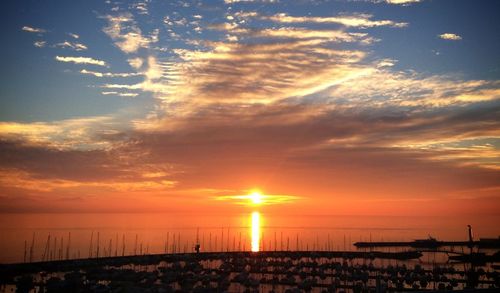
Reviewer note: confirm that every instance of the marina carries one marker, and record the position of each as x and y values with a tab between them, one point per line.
276	271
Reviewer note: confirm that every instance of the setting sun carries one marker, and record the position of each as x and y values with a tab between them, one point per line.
256	197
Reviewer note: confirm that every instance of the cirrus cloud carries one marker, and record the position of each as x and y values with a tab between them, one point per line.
128	37
81	60
33	29
354	20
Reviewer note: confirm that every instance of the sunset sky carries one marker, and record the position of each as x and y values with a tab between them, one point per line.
326	107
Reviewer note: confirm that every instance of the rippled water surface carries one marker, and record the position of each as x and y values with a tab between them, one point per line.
60	236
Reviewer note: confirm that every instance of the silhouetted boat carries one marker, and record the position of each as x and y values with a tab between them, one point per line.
430	242
476	258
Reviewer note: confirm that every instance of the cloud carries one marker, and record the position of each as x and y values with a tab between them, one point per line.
109	74
135	63
78	133
74	46
302	33
354	20
141	7
277	64
33	29
450	37
23	180
81	60
396	2
122	86
120	94
475	152
40	44
402	2
128	37
250	1
293	146
255	73
380	86
386	63
74	36
306	146
246	79
78	171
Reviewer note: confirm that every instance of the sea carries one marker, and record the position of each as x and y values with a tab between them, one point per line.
31	237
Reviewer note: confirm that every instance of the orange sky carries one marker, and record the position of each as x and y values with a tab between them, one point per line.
186	170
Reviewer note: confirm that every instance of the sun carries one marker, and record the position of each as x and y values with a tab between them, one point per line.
256	197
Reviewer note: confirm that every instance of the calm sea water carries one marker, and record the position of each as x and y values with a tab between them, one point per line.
81	235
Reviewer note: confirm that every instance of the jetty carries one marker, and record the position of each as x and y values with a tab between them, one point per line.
432	243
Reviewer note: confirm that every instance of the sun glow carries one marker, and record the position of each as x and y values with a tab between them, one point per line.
256	197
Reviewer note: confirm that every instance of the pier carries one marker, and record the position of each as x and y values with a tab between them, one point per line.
430	243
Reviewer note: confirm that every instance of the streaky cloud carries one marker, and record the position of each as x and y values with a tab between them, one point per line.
33	29
120	94
109	74
40	44
81	60
354	20
70	45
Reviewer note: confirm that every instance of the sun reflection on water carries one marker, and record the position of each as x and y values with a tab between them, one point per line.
255	231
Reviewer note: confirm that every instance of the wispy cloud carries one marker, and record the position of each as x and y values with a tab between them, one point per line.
354	20
396	2
303	33
78	133
251	73
70	45
74	36
250	1
126	34
141	7
24	180
135	63
403	2
123	86
120	94
407	89
40	44
81	60
33	29
450	37
109	74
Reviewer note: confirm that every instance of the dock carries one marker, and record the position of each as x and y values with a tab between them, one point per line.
431	243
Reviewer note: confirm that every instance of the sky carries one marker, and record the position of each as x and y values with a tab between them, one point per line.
326	107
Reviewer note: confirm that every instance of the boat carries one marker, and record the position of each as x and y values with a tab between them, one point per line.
430	242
